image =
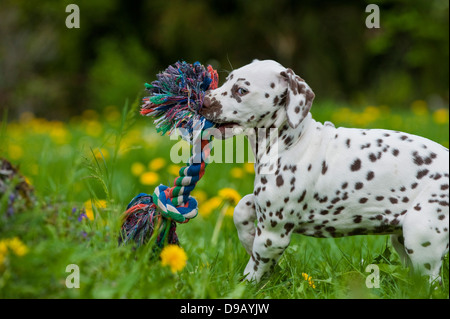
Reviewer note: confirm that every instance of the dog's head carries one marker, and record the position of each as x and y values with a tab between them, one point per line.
262	94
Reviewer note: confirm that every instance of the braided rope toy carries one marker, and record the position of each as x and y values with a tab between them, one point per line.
175	100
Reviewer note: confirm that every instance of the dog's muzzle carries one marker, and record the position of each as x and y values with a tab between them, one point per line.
212	111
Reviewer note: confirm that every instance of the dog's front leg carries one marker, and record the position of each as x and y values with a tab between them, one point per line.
244	219
268	246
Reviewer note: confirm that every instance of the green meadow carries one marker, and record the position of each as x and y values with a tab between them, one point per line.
84	171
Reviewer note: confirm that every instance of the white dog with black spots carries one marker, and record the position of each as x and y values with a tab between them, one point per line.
328	181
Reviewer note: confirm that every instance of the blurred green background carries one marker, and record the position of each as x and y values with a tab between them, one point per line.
56	72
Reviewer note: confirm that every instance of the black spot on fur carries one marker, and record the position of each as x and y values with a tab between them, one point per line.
422	173
324	167
357	219
356	165
417	159
359	185
302	197
276	100
347	142
280	180
288	227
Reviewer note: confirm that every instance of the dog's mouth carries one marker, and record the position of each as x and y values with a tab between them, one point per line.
226	126
227	129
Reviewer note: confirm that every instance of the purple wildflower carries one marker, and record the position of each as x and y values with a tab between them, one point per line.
82	216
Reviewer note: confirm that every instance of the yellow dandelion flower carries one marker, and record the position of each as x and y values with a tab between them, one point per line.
101	153
17	247
90	115
3	247
39	126
373	110
237	172
211	204
342	114
370	114
249	168
174	169
2	260
149	178
15	152
156	164
111	113
29	181
89	211
137	168
199	195
419	107
3	252
88	207
13	245
101	203
173	256
230	194
58	132
440	116
309	279
93	128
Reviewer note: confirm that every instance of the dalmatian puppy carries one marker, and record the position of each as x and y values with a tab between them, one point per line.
326	181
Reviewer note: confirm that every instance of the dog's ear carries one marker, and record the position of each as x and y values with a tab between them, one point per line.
298	97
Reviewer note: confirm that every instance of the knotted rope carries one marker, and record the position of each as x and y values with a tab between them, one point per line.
175	99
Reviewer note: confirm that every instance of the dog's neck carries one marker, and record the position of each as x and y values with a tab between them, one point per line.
266	142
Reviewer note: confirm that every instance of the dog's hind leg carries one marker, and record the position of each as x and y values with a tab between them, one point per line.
244	218
425	230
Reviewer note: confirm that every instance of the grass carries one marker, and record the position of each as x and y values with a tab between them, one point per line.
94	164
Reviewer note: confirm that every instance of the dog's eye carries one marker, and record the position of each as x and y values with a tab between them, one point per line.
242	91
